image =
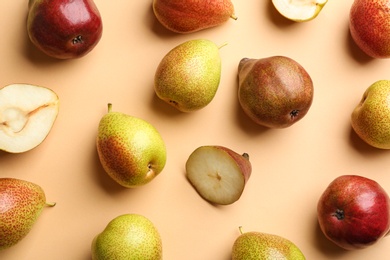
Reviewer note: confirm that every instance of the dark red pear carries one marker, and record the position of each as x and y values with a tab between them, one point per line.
64	29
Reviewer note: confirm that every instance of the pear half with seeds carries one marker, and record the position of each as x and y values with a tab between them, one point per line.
27	114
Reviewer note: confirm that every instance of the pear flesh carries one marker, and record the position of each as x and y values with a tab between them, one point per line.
258	245
218	173
129	236
21	203
371	117
299	10
27	114
131	150
188	76
188	16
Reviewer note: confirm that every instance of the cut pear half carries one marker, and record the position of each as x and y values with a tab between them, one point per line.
27	114
218	174
299	10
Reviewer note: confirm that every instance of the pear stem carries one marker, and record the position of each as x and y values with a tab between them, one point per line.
234	17
109	107
245	155
50	204
224	44
240	228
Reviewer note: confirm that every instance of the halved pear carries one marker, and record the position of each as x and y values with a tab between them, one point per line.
27	114
299	10
218	174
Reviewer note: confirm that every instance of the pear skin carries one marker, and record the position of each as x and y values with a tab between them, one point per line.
258	245
371	117
129	236
188	76
21	203
187	16
131	150
275	92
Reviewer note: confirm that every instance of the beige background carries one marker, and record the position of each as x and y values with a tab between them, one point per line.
291	167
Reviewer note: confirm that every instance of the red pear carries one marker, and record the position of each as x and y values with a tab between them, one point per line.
64	29
354	212
186	16
369	23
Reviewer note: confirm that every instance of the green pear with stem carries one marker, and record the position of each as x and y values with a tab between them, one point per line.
21	203
130	149
258	245
128	236
188	76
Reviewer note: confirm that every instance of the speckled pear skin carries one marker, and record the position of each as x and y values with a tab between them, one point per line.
275	92
188	76
257	245
21	203
188	16
131	150
130	237
371	117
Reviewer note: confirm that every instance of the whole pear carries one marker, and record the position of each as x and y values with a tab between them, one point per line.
64	29
129	236
188	76
258	245
369	24
371	117
21	203
187	16
354	212
275	92
131	150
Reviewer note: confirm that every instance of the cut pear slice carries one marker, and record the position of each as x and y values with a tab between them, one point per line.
218	174
299	10
27	114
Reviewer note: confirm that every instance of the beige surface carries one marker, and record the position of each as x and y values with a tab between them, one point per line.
291	167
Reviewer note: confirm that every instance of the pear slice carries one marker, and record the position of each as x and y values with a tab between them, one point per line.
299	10
218	174
27	114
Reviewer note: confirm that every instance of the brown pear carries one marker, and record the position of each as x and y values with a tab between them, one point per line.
21	203
275	92
186	16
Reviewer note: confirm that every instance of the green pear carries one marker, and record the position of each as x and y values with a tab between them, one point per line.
131	150
129	236
21	203
187	16
257	245
188	76
371	117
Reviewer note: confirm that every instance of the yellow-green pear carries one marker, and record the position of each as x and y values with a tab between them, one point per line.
129	236
131	150
21	203
371	117
258	245
188	76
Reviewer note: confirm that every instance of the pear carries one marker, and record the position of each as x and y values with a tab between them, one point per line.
258	245
129	236
275	92
64	29
299	10
371	117
131	150
187	16
218	173
27	114
21	203
188	76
